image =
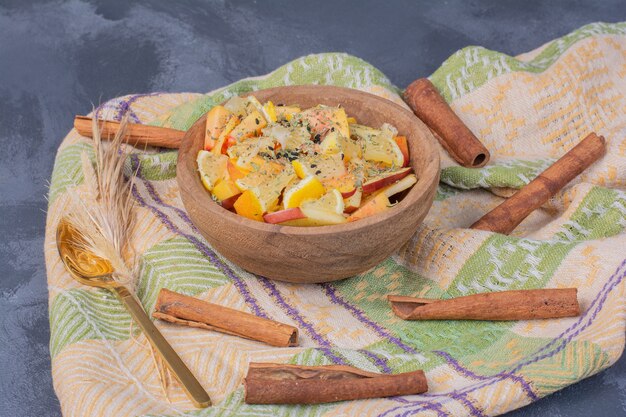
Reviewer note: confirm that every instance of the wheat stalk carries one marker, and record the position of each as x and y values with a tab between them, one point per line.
102	210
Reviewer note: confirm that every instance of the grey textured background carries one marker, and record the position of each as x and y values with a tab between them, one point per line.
59	57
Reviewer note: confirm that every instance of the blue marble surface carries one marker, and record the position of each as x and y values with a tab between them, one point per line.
59	57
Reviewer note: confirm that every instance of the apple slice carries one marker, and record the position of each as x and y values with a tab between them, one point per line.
376	205
282	216
376	183
404	148
395	188
229	203
353	202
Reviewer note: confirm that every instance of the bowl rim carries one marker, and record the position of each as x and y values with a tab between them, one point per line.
429	174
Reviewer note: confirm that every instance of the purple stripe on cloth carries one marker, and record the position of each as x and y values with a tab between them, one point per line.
125	107
204	249
426	405
468	373
476	412
294	314
379	361
360	315
606	288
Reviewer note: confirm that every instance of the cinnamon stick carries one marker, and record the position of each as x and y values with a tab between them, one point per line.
427	104
508	215
136	134
270	383
503	305
189	311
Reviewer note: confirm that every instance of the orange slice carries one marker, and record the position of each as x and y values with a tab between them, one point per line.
212	168
310	188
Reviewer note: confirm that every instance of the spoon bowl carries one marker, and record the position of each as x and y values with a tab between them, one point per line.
85	267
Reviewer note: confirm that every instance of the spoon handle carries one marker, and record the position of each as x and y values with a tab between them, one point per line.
190	384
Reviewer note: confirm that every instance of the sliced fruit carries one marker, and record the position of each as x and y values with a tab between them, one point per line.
234	171
362	132
319	217
315	217
378	182
346	184
288	137
286	112
322	166
225	189
376	205
282	216
309	188
250	126
247	152
352	203
212	168
382	148
265	172
249	205
230	125
229	203
404	148
325	119
216	120
237	105
269	111
331	201
397	187
272	189
336	143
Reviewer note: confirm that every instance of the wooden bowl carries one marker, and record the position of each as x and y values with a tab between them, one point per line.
323	253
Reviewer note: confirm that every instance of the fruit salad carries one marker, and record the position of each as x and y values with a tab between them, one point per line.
286	165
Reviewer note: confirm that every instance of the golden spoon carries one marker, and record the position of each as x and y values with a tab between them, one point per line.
89	269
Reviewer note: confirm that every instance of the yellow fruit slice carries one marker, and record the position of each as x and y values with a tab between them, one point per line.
250	126
336	143
317	217
249	205
331	201
230	125
269	111
224	189
381	147
322	119
286	112
310	188
264	173
346	184
271	190
216	121
375	205
322	166
212	168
